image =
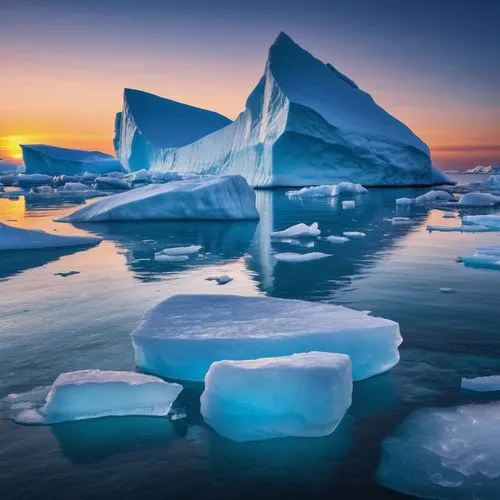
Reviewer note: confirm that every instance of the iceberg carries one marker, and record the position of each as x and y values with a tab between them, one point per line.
300	257
327	190
300	230
215	197
481	384
493	182
491	221
15	238
306	124
150	127
445	453
304	395
479	200
53	160
89	394
183	335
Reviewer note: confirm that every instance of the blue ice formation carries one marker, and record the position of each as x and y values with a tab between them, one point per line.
150	126
303	395
53	160
183	335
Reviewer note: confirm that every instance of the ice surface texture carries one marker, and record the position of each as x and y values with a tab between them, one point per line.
149	125
217	197
445	453
53	160
14	238
94	393
300	395
184	334
303	124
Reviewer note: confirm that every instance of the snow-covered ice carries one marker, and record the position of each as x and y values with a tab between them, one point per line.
445	453
305	123
354	234
303	394
223	279
94	393
217	197
15	238
300	230
491	221
188	250
149	127
336	239
433	196
184	334
478	200
300	257
481	384
53	160
347	204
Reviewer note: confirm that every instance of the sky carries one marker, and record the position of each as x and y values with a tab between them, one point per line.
434	64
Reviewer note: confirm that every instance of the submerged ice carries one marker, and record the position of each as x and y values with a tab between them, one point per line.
184	334
299	395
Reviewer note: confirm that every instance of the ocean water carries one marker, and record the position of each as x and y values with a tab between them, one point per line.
50	324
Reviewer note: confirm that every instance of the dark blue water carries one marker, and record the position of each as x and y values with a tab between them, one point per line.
50	324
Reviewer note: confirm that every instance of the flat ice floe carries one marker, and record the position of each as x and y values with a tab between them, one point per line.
328	190
303	395
466	228
433	196
491	221
300	230
94	393
223	279
481	384
445	453
184	334
400	221
484	257
348	204
162	257
300	257
187	250
214	197
15	238
336	239
479	200
354	234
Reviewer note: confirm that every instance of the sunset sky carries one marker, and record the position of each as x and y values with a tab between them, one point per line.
434	64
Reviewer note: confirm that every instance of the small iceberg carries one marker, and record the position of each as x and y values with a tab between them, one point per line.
328	190
481	384
433	196
478	200
354	234
188	250
298	231
221	280
300	257
90	394
337	239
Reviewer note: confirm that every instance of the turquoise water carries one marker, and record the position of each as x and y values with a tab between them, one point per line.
50	324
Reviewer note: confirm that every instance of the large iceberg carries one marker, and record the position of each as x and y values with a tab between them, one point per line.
214	197
88	394
15	238
305	123
445	453
151	126
53	160
300	395
183	335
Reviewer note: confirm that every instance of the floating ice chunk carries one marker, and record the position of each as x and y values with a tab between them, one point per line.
337	239
432	196
399	221
478	200
300	257
304	395
347	187
348	204
161	257
139	176
354	234
298	231
297	242
94	393
111	183
445	453
184	334
405	201
14	238
28	180
326	190
447	290
65	274
189	250
490	221
215	197
221	280
74	186
472	228
482	384
449	215
485	257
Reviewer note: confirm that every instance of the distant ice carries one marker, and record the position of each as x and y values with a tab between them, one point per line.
28	180
298	231
354	234
398	221
337	239
482	384
184	334
94	393
304	395
162	257
472	228
300	257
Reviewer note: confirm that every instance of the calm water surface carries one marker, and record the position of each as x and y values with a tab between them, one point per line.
50	324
